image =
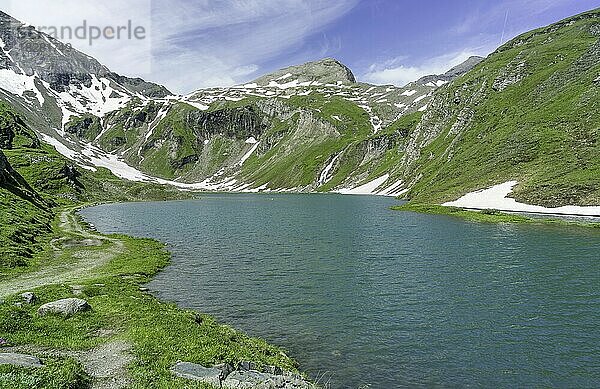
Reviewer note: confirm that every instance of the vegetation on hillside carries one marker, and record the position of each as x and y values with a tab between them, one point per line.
529	112
44	249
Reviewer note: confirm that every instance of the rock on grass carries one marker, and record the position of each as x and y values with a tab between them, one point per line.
20	360
65	307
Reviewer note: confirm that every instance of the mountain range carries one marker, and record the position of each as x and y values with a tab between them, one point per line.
529	113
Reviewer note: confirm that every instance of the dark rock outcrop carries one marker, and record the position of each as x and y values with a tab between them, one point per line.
84	127
16	184
29	297
71	174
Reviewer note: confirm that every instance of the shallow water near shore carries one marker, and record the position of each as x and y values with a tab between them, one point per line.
364	296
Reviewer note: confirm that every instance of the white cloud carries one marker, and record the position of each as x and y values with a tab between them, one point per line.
192	44
394	72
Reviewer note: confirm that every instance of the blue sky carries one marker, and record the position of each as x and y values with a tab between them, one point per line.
203	43
382	41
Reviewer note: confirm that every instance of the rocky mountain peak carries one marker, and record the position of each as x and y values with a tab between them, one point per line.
464	67
324	71
453	73
31	53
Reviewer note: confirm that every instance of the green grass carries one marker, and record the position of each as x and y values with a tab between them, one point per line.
26	230
161	333
542	131
299	151
354	120
57	373
41	166
13	130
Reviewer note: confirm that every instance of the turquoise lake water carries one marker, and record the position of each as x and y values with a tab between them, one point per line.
363	296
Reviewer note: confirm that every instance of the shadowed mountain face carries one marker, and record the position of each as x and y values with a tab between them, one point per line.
14	183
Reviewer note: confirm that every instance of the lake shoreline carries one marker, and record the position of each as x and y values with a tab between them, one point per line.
495	216
117	293
296	269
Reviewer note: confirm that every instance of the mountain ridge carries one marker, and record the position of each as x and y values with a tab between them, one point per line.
454	72
527	114
96	121
59	71
311	130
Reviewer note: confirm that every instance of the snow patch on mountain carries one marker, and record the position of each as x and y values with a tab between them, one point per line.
497	198
367	189
19	84
248	154
326	173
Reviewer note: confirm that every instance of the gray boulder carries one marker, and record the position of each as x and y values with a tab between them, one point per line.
224	376
273	370
255	380
20	360
28	297
247	366
193	371
65	307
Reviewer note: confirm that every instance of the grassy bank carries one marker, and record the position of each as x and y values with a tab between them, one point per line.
491	216
157	334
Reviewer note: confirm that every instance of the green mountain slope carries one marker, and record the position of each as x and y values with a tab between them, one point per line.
35	180
24	217
530	112
305	128
527	113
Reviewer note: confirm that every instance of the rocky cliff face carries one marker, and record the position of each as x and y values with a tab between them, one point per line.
27	52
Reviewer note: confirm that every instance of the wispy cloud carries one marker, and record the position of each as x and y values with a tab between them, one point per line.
395	72
479	32
202	43
193	44
224	44
508	17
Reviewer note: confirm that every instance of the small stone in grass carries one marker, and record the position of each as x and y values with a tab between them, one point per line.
29	297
